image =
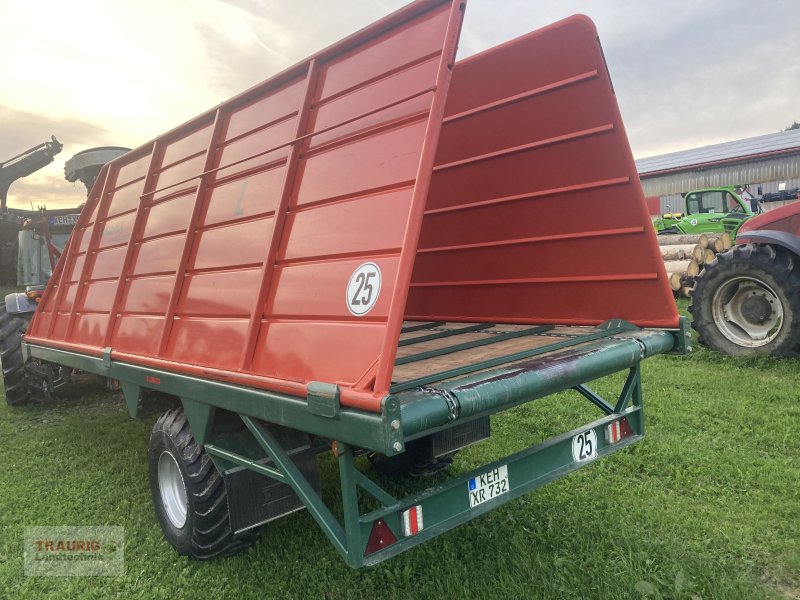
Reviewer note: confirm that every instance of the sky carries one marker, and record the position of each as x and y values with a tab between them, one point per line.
687	73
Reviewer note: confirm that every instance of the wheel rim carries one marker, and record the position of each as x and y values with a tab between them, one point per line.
747	312
173	490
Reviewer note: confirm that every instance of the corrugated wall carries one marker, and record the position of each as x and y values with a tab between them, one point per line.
671	203
766	172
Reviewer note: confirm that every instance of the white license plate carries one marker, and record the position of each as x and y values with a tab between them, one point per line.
490	485
63	220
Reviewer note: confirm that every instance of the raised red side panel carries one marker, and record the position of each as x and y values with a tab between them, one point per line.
224	248
535	212
231	247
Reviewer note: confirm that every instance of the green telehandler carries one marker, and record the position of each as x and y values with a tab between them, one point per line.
712	210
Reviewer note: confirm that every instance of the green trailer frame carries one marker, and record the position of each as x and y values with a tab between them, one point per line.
414	409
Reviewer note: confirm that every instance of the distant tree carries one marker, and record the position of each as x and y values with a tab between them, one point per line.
794	125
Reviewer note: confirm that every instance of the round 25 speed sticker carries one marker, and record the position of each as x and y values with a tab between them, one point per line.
584	446
363	289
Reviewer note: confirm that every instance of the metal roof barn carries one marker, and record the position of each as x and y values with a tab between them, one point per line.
766	160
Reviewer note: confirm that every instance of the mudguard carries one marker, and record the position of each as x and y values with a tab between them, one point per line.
784	239
18	303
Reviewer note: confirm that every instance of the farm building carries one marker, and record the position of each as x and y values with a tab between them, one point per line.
770	164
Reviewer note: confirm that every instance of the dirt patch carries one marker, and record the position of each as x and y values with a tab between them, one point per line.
782	589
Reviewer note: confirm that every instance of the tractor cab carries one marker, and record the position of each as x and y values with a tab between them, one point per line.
714	210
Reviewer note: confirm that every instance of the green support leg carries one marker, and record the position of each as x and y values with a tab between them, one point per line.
321	513
594	398
635	379
200	416
631	390
132	394
374	490
352	526
349	540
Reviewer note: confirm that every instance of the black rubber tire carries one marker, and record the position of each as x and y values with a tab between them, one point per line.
669	231
8	260
15	377
775	267
207	531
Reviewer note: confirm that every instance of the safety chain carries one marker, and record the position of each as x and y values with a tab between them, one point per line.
453	405
640	343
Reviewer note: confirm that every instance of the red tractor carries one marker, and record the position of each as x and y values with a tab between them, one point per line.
748	299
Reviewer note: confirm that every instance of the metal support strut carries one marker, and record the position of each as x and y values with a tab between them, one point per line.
370	538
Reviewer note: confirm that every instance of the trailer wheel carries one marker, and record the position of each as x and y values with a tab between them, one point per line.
189	493
748	300
15	377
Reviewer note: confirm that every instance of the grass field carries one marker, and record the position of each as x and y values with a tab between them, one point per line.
706	506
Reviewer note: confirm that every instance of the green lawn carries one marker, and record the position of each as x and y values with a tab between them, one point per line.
707	506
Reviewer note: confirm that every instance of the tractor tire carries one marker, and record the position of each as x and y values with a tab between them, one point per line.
15	376
189	493
669	231
8	261
747	301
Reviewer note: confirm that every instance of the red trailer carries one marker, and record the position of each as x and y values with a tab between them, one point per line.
377	249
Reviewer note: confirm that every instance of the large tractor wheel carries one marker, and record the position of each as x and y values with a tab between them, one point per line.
15	377
748	301
189	493
8	260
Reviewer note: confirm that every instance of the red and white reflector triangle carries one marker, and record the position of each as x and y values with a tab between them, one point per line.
380	537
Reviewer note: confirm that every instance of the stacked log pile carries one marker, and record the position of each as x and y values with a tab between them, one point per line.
685	256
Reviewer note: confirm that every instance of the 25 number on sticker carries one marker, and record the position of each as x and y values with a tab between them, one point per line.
584	446
363	289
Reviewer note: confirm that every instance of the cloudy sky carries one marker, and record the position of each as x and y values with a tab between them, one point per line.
106	72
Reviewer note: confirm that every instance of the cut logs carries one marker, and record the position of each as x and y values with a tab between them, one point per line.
682	252
689	267
674	239
716	244
680	280
684	255
681	273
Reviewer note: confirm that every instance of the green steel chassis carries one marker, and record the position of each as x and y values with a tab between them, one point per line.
411	411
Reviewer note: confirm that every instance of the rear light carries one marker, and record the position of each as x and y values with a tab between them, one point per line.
412	520
618	430
35	295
